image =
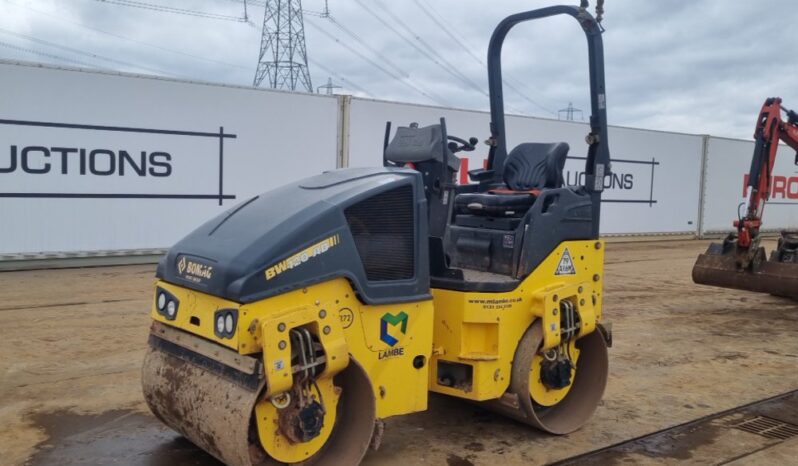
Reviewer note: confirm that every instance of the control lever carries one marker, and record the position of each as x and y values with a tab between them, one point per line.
463	145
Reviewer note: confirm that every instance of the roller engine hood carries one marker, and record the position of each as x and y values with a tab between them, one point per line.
299	234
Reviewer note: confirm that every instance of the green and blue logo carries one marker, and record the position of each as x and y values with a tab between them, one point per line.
393	321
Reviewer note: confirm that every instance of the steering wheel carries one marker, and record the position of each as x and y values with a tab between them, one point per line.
463	145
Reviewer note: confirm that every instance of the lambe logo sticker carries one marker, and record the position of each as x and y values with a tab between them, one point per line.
566	265
391	328
398	320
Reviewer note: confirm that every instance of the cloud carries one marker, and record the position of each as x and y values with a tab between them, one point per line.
697	67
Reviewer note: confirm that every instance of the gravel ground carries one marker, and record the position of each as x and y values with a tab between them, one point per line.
73	340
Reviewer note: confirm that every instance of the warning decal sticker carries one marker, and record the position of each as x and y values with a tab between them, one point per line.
566	265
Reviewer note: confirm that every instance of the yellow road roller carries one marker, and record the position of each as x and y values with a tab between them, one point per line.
288	328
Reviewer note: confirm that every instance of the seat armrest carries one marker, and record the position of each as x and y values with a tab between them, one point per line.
480	174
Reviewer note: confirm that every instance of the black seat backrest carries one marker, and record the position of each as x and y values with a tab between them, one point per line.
535	166
415	145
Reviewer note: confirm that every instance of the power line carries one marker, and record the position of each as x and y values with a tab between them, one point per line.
440	21
427	8
323	14
465	79
44	54
409	41
390	73
448	67
135	41
431	53
173	10
355	51
249	2
398	73
526	97
365	45
351	84
84	53
346	81
318	14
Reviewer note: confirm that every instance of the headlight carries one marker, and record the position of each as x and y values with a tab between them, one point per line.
171	309
166	304
226	320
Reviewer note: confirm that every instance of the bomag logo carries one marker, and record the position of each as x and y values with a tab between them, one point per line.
301	257
194	271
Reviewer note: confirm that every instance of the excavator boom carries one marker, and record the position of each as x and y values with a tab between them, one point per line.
740	262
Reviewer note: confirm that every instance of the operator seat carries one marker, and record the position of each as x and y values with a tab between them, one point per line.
529	168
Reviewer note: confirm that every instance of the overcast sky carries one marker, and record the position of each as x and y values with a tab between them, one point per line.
696	66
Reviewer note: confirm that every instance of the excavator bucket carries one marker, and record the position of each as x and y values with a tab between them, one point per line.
777	276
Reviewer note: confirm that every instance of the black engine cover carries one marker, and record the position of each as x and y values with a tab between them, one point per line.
302	233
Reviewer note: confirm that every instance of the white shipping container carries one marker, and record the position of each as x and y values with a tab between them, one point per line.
654	188
96	161
727	168
100	161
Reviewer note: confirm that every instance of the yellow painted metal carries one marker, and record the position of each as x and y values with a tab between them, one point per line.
200	308
281	448
355	330
480	341
546	305
399	387
483	329
394	343
542	394
276	344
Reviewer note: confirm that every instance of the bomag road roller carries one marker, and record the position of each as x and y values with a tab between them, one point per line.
287	328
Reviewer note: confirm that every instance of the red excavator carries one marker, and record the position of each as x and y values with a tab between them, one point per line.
740	261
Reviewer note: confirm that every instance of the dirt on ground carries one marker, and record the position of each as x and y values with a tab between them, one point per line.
72	342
